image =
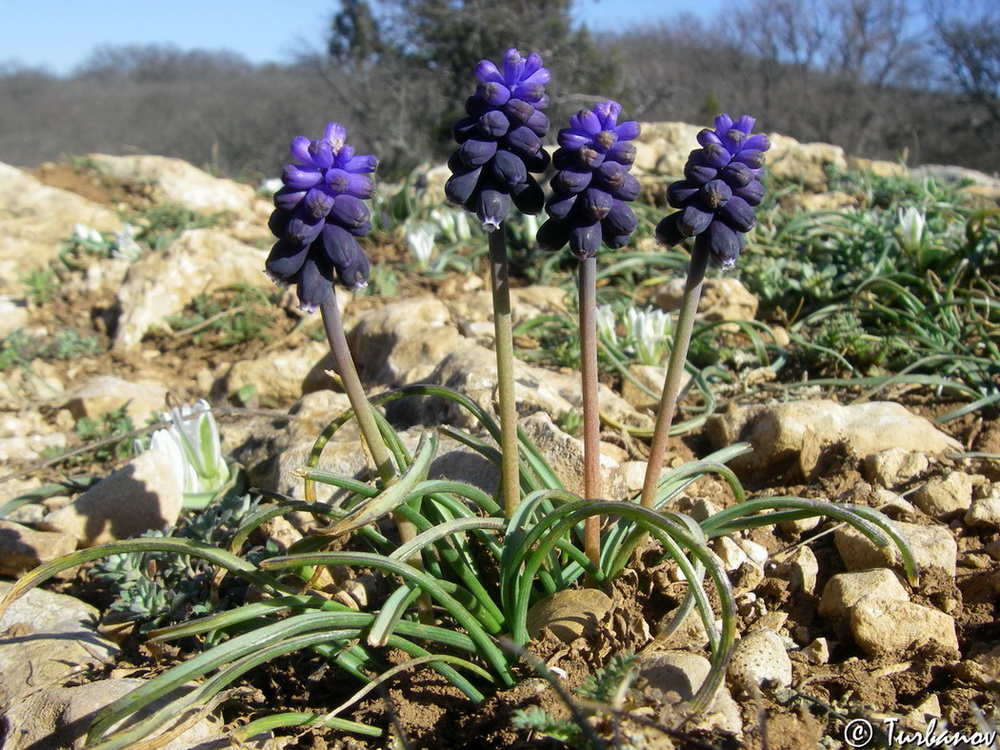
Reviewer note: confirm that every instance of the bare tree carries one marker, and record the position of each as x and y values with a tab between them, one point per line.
967	37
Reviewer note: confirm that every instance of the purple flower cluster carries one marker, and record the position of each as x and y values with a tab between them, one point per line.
722	186
318	215
590	190
500	141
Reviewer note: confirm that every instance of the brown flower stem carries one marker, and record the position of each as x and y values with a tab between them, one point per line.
504	343
343	363
591	408
675	370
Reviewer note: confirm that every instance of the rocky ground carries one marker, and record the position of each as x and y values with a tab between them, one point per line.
831	630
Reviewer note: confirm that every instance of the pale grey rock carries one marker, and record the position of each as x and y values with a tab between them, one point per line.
60	717
105	393
144	495
651	378
885	626
807	164
471	370
161	284
27	387
759	657
894	466
818	652
47	638
799	568
35	221
662	149
282	376
931	546
674	677
175	181
13	315
724	298
472	310
31	446
730	554
757	553
569	614
985	510
844	590
789	439
403	342
943	497
23	548
565	455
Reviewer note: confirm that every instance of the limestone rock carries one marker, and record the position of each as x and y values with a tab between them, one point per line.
569	614
652	377
45	638
60	717
721	299
404	341
789	439
931	546
35	219
22	548
104	393
162	284
883	626
985	510
894	466
662	148
143	495
282	376
807	164
946	496
674	677
169	180
844	590
760	657
565	455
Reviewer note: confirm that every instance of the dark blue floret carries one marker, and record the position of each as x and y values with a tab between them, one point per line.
721	187
500	141
317	216
590	191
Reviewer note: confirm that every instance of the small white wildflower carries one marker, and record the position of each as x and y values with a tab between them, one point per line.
193	445
607	325
125	247
911	229
649	332
84	234
420	240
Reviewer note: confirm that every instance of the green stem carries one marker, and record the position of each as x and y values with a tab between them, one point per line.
343	363
591	407
504	342
675	370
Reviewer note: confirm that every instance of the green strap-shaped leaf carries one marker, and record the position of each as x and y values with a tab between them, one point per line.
369	511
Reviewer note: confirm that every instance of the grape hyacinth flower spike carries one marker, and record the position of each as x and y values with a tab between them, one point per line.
500	140
588	207
499	147
318	216
721	187
716	200
591	190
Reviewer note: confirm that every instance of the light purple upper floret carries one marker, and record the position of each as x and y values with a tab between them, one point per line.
522	77
599	129
318	214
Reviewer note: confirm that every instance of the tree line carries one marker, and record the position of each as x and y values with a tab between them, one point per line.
886	79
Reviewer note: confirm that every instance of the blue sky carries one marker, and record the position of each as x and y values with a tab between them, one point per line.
59	34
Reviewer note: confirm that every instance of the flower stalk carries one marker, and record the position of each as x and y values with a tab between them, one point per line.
504	347
591	406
